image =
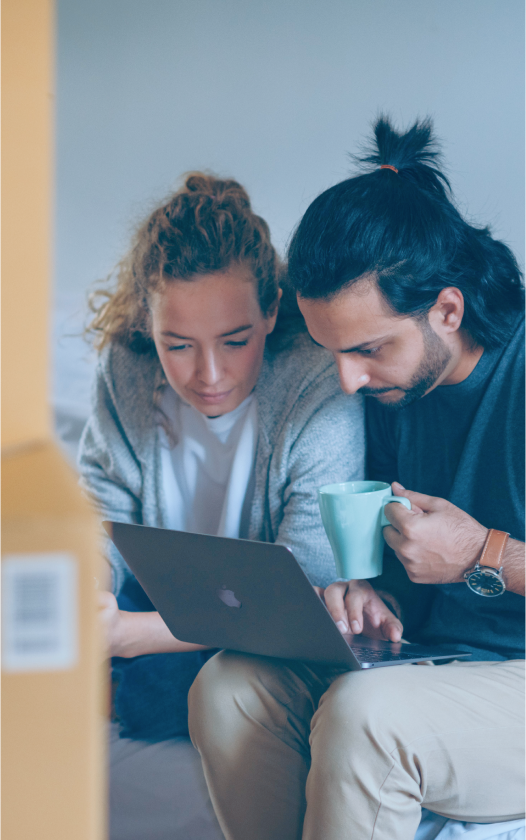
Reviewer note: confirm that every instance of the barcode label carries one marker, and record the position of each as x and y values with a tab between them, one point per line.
39	612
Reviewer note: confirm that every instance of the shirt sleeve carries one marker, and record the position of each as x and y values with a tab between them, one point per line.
329	448
109	472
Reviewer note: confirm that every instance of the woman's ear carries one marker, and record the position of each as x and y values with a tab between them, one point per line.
273	314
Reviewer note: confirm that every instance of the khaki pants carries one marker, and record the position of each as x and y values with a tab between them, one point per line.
296	751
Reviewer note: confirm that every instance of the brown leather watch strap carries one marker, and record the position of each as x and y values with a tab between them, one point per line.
493	550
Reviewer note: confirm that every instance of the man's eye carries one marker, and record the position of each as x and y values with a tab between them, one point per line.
178	347
237	343
371	351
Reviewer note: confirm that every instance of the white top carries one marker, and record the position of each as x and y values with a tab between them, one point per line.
206	469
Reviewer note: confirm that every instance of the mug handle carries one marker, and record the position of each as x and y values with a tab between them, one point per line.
401	500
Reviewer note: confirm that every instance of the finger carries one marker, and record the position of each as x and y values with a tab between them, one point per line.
394	538
399	516
380	617
375	611
334	601
354	604
419	500
391	628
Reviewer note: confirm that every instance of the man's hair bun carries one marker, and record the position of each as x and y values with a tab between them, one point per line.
415	153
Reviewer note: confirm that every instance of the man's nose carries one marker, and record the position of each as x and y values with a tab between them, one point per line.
208	368
353	376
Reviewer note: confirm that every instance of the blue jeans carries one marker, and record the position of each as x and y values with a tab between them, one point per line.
150	692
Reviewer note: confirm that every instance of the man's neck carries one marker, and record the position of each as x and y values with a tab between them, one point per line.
464	361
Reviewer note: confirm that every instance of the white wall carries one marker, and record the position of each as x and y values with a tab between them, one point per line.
275	93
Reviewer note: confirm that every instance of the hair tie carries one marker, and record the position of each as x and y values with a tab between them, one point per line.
388	166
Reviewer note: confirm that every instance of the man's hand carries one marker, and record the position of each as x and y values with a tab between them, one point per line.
436	541
356	608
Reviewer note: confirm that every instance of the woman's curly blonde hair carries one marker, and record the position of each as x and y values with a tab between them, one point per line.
205	227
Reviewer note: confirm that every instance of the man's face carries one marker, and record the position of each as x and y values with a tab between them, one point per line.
395	359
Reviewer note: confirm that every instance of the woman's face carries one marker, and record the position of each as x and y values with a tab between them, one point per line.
210	336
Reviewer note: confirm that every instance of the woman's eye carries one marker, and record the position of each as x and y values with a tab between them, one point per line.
237	343
178	347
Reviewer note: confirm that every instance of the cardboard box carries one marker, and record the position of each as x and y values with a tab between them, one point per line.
53	673
54	701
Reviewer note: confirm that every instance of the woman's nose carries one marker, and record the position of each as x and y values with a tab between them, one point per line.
208	368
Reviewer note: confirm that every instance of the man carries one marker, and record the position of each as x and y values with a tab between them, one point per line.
424	314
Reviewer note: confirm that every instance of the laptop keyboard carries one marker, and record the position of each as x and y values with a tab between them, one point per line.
365	654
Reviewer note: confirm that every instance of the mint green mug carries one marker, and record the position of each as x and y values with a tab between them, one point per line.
353	516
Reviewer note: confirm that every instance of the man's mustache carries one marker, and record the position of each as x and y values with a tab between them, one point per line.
372	392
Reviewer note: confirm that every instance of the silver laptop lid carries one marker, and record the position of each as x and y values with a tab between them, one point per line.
247	596
238	594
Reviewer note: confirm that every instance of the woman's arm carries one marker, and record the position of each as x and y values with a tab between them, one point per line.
109	472
330	447
135	634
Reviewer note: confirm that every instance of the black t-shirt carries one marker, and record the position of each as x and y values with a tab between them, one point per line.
464	443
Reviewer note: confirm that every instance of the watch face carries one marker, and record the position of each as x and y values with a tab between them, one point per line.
487	582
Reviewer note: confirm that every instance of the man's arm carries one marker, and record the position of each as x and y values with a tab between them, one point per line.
513	566
437	542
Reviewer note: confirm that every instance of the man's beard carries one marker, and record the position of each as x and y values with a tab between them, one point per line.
434	361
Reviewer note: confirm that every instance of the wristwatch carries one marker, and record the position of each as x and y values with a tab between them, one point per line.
486	577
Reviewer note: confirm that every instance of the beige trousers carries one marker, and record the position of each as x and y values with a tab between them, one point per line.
295	751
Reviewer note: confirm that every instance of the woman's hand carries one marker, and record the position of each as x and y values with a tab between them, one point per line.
357	608
112	622
137	633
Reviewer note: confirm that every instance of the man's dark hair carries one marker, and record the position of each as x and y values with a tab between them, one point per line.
402	228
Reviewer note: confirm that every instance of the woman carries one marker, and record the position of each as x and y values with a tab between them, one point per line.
211	415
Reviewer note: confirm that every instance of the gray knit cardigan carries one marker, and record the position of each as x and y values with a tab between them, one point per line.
309	434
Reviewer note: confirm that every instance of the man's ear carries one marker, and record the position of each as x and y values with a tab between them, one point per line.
447	313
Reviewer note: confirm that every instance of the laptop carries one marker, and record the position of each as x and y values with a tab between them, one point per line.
247	596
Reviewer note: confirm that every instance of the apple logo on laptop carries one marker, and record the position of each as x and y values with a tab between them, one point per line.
228	597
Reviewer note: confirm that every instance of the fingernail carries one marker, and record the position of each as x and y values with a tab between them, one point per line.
355	627
397	484
342	626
